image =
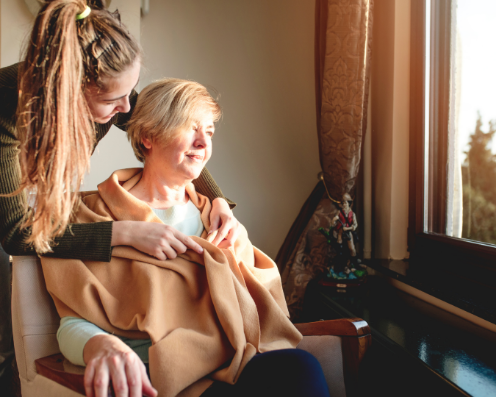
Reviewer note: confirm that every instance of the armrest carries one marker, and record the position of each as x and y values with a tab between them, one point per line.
355	340
341	327
354	333
58	369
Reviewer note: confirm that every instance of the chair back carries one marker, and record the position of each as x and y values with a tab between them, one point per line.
35	320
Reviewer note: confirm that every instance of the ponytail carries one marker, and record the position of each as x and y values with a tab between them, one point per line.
53	119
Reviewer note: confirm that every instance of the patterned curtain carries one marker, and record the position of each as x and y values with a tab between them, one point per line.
342	63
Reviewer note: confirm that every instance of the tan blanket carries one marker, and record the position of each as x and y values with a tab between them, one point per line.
207	315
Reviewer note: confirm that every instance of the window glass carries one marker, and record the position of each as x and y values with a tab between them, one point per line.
462	122
476	116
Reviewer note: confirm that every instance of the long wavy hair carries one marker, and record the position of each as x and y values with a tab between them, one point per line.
54	124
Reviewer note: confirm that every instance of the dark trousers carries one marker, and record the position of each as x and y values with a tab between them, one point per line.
289	372
6	343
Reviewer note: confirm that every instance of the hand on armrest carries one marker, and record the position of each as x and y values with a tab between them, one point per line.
108	359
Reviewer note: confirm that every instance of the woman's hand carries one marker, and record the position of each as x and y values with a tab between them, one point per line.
222	218
108	359
155	239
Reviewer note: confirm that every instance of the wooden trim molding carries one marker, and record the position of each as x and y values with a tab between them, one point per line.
417	122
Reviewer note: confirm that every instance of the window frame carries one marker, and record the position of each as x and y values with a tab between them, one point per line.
449	262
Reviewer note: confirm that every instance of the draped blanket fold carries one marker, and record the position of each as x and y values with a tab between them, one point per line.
207	315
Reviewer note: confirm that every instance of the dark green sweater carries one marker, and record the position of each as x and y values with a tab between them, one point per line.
89	241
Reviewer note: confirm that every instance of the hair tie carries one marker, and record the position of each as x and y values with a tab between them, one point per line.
84	14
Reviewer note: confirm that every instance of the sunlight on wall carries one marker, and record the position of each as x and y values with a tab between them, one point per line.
259	56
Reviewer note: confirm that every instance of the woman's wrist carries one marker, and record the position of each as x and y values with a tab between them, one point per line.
120	233
101	345
220	201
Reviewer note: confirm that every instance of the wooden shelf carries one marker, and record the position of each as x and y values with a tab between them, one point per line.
471	298
431	351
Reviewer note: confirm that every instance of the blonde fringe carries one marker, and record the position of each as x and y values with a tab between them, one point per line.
164	107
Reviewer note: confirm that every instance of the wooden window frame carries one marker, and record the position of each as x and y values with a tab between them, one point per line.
453	264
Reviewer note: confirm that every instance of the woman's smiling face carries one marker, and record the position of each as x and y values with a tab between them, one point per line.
185	155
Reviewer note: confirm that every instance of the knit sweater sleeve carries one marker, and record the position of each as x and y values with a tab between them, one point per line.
89	241
205	184
80	241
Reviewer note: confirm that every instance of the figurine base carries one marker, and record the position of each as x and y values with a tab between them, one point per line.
342	283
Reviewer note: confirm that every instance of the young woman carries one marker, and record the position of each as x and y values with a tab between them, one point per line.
75	82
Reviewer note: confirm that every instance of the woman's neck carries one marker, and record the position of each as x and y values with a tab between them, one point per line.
158	191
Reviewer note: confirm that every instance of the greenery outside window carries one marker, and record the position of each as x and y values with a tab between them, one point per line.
452	214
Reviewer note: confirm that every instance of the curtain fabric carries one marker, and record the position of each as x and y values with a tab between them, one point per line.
342	61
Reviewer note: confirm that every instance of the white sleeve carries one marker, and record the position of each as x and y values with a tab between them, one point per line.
72	336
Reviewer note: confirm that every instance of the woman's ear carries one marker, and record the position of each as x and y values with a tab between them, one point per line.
147	143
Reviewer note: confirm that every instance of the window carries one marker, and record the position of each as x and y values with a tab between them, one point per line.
452	224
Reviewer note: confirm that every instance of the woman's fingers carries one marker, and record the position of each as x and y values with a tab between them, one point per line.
214	221
168	251
159	254
219	210
220	239
229	240
155	239
123	369
89	375
229	226
134	376
147	389
175	243
118	375
223	230
101	380
222	218
109	360
232	236
188	242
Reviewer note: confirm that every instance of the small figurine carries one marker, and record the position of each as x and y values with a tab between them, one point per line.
345	265
345	225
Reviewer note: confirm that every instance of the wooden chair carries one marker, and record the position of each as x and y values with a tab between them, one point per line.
339	345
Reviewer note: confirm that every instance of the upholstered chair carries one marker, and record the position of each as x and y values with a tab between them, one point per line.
339	345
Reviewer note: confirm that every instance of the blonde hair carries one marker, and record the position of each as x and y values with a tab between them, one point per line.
165	107
54	124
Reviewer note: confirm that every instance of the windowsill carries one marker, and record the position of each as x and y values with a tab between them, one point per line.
437	347
400	270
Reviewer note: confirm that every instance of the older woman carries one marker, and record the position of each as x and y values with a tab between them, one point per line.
196	318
